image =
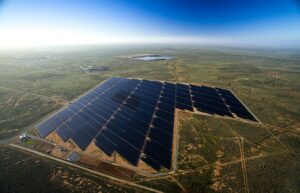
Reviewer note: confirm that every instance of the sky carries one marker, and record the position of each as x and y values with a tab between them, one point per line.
31	23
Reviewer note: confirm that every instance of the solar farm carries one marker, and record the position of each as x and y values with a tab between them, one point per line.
135	119
210	120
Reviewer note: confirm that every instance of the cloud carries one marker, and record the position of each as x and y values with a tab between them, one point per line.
12	37
22	37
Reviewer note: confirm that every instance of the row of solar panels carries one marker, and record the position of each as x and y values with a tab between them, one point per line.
135	117
218	101
103	115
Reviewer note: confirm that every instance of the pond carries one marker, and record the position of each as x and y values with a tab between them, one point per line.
153	57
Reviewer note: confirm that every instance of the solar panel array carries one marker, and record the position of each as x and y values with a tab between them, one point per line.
135	118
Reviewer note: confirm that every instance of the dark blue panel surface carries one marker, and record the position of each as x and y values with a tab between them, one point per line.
161	137
153	96
182	106
105	145
94	123
64	132
183	95
149	88
206	95
100	111
151	162
56	121
208	100
129	152
204	90
169	95
158	153
146	97
142	116
165	116
235	105
167	101
130	126
129	135
131	123
163	125
185	101
95	116
243	113
182	86
81	139
225	93
166	108
75	107
64	114
45	128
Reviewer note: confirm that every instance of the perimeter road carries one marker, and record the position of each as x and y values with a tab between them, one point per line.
86	169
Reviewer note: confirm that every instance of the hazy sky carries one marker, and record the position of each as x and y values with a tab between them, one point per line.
49	22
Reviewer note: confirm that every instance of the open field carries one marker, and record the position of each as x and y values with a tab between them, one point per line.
215	155
34	174
19	110
228	150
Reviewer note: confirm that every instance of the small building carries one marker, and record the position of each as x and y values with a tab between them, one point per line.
73	157
24	137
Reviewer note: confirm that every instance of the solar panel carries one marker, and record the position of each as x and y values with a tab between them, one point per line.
162	137
107	146
135	118
163	125
45	128
155	165
64	132
235	105
158	153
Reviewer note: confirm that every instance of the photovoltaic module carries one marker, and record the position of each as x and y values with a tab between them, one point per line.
135	118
